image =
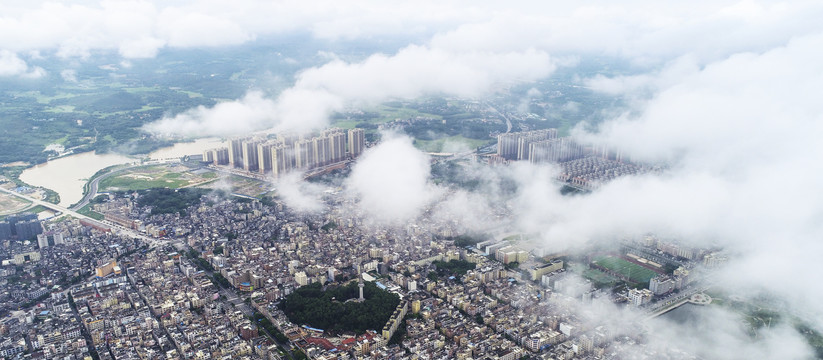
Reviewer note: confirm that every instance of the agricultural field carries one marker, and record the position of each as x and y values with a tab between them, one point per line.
634	272
173	176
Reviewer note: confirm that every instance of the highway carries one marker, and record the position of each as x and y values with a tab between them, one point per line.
508	122
115	227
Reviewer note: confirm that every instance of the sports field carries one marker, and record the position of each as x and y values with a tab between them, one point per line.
634	272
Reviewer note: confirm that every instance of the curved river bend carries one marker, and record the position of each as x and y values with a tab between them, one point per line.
68	175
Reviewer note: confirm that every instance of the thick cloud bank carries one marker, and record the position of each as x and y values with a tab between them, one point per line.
410	73
742	138
391	181
298	194
13	65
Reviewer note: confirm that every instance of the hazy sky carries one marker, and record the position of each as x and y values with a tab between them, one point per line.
730	99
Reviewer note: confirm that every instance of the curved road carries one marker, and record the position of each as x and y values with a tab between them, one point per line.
508	122
94	183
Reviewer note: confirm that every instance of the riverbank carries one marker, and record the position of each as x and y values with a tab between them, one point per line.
67	179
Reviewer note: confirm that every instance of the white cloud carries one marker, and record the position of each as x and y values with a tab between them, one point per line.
742	135
13	65
243	116
319	91
69	75
185	29
391	181
298	194
144	47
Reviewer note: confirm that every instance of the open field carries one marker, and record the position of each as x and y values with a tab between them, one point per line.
240	185
388	113
449	144
10	204
633	272
172	176
381	114
598	278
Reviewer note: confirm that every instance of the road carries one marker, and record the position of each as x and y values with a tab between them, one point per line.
94	183
673	301
508	122
115	227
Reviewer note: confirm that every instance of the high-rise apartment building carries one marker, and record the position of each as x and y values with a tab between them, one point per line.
555	150
236	153
264	164
337	140
250	158
282	159
515	146
218	156
321	146
527	138
357	142
304	154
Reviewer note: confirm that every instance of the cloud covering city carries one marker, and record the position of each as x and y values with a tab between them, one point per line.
725	94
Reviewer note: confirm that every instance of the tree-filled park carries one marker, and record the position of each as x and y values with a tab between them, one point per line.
329	310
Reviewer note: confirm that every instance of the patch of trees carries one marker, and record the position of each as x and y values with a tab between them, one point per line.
436	106
328	310
220	280
31	303
99	199
203	264
456	267
331	225
362	116
268	201
468	239
264	323
170	201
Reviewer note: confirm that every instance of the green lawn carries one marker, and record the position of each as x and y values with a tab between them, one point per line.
634	272
598	278
125	182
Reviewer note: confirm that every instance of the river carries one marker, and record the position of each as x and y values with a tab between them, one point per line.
68	175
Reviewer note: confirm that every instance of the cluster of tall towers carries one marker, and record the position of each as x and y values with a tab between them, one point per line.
279	155
538	146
